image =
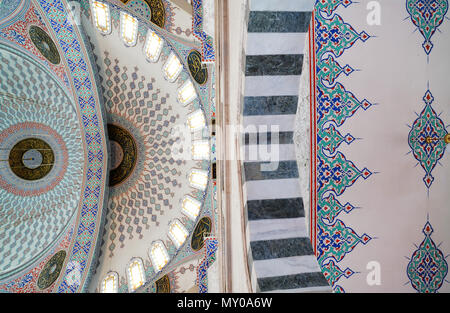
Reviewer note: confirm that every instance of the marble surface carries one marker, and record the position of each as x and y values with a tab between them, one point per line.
281	64
285	169
275	208
278	22
271	105
273	189
293	281
280	248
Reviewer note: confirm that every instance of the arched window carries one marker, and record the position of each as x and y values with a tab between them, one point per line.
177	233
172	68
136	277
110	283
190	207
153	46
196	120
159	255
200	150
128	28
198	179
102	18
187	93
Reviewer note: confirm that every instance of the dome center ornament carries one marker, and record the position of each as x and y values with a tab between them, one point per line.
31	159
123	154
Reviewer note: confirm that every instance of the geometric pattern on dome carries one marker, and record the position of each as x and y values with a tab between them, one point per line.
427	16
17	32
137	105
427	268
35	213
426	139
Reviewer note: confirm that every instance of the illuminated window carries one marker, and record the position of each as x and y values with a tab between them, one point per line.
196	120
110	284
159	255
198	179
136	274
200	150
153	46
187	93
177	233
191	207
172	68
128	28
102	18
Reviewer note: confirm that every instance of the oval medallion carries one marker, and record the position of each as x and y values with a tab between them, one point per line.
123	154
202	230
51	270
197	69
163	285
44	44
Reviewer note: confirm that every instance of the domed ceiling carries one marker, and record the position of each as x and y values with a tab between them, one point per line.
53	164
106	149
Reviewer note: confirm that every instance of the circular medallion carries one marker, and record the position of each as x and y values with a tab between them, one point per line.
202	230
123	154
51	270
44	44
197	69
31	159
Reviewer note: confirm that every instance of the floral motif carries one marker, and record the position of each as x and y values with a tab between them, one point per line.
427	16
427	268
425	139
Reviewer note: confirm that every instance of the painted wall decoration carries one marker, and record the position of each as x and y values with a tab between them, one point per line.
211	245
332	172
208	50
427	16
426	139
427	268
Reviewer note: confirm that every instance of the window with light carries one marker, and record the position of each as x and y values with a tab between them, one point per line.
136	274
187	93
153	46
177	233
196	120
128	28
200	150
102	18
110	283
190	207
159	256
172	68
198	179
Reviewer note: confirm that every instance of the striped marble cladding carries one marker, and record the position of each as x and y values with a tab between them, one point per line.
275	43
270	189
270	229
284	169
281	64
284	138
275	209
303	280
272	105
286	266
281	248
278	22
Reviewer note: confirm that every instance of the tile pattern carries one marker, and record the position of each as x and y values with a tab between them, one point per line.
271	97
